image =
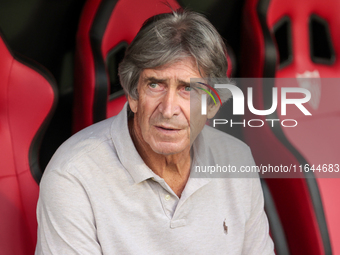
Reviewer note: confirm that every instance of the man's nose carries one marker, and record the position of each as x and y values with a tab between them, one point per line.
169	106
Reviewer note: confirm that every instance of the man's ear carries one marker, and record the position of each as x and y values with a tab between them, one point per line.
133	103
212	110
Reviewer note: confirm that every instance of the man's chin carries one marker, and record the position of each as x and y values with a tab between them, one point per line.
167	149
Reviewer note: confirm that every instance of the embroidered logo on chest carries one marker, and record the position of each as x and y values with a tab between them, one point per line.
225	226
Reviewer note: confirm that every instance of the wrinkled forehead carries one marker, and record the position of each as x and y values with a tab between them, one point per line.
180	72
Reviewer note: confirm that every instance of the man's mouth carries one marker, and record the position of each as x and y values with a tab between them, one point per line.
167	129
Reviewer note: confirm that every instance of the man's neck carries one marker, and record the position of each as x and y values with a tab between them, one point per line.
174	169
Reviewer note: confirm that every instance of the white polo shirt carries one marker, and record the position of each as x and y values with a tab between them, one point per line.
97	196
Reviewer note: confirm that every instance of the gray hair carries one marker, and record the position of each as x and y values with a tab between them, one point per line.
168	38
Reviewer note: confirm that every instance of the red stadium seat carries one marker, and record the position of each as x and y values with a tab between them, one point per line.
294	39
27	100
105	30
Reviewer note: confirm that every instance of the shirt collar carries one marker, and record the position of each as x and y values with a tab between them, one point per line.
126	150
202	155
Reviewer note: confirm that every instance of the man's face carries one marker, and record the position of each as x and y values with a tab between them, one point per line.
162	110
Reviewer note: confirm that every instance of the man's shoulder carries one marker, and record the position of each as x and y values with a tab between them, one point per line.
224	149
89	159
217	139
90	140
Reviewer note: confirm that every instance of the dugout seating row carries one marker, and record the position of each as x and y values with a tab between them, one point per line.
297	43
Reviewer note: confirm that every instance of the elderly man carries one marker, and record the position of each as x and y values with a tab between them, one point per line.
124	185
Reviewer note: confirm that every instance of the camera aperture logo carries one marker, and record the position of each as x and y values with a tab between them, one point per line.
239	99
204	97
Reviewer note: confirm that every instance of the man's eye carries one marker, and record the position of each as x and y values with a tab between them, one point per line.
187	88
153	85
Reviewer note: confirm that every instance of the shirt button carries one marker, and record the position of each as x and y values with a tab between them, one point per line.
167	197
